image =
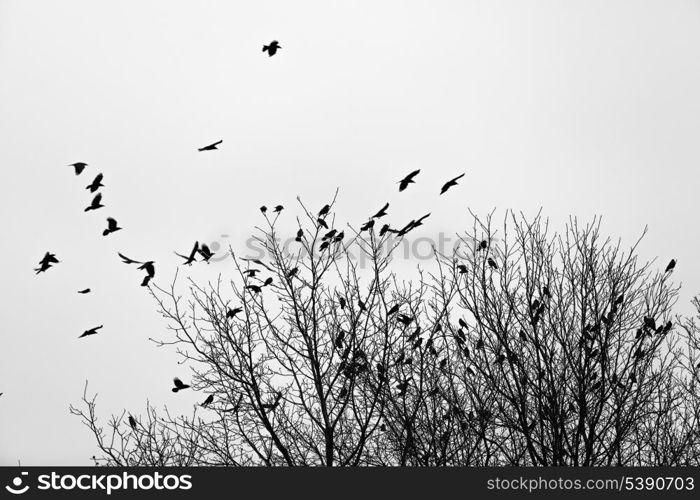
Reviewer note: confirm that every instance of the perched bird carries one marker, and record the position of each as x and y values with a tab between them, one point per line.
149	267
268	281
231	313
322	223
450	183
292	272
95	184
78	166
403	183
205	252
671	265
463	324
254	288
381	212
483	245
87	290
367	225
329	234
339	237
45	263
146	279
208	401
263	209
279	208
111	227
132	422
91	331
179	385
492	263
384	229
271	49
96	203
341	302
300	235
211	147
324	211
462	268
191	257
394	309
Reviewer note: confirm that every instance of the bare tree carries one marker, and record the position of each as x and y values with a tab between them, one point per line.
530	349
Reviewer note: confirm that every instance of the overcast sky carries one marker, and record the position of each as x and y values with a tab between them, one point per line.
578	108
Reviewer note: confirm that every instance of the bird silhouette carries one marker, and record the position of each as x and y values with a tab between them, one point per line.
381	212
322	223
300	235
211	147
149	267
95	184
483	245
191	257
205	252
341	302
394	309
292	272
231	313
86	290
146	280
450	183
403	183
263	209
267	282
96	203
272	48
179	385
127	260
208	401
91	331
329	234
46	262
111	227
367	225
384	229
78	166
251	272
132	422
254	288
324	211
279	208
339	237
462	268
671	265
492	263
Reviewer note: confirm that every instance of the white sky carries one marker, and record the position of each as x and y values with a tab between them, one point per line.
580	108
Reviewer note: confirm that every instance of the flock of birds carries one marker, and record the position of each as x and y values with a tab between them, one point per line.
204	252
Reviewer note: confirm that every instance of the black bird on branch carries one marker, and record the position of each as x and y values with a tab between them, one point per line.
78	166
86	290
271	48
278	208
211	147
91	331
403	183
96	203
671	265
367	225
112	227
381	212
208	401
132	422
300	235
384	229
95	184
191	257
46	262
205	252
254	288
179	385
492	263
292	272
324	211
450	183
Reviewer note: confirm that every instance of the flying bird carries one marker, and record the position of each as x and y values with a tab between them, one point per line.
671	265
191	257
87	290
96	203
78	166
111	227
208	401
149	267
450	183
231	313
403	183
211	147
46	262
127	260
179	385
95	184
271	49
381	212
91	331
